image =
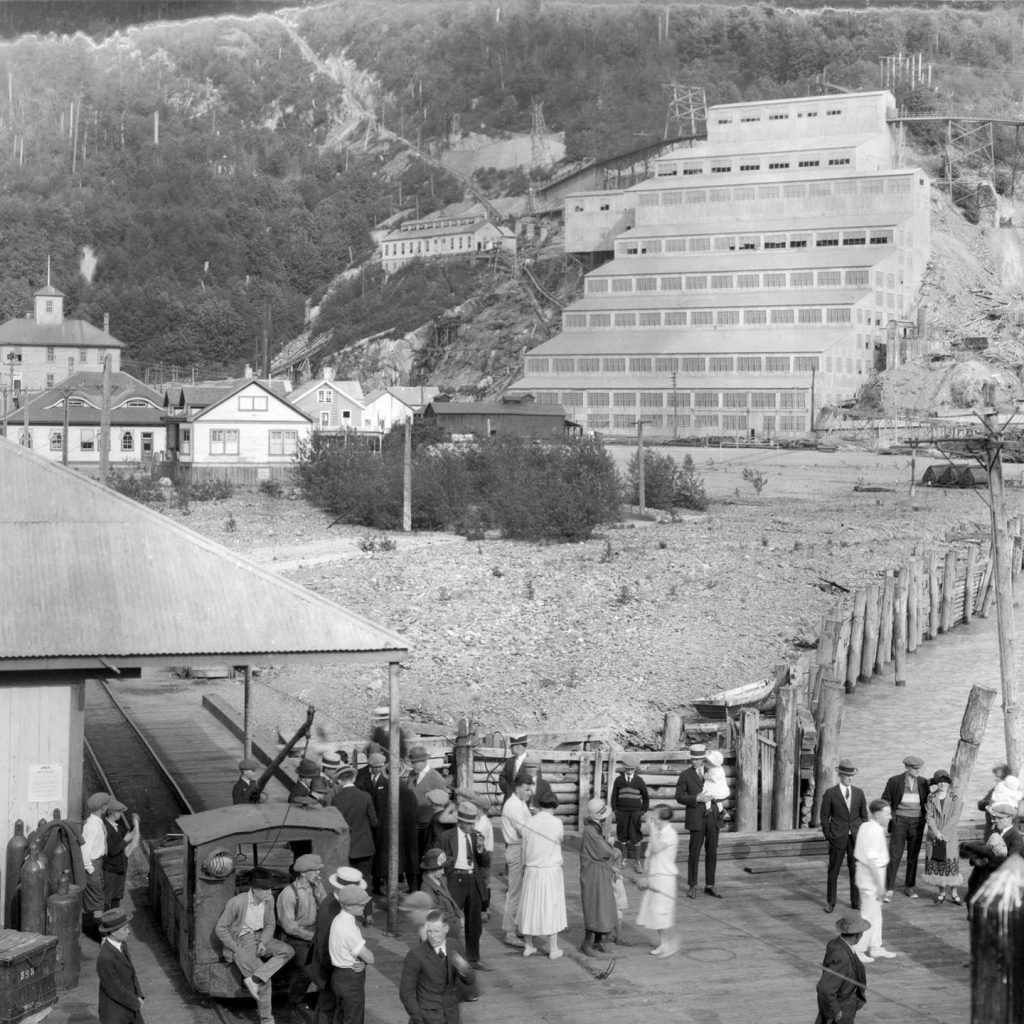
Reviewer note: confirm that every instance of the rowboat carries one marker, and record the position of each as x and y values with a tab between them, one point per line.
759	695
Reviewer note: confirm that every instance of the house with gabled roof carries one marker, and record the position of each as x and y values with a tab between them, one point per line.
75	406
245	431
384	408
333	405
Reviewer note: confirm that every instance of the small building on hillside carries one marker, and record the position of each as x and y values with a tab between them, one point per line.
383	409
137	433
333	405
484	419
243	431
463	236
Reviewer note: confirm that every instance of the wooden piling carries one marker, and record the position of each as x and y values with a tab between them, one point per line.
871	616
856	651
972	558
983	587
899	639
587	758
913	604
997	937
829	721
884	652
785	757
747	769
670	731
948	589
972	729
464	755
933	595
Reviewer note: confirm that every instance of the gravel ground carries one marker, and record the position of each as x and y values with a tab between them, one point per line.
614	631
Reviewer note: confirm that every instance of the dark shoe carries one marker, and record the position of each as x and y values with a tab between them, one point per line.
479	965
710	890
855	906
829	908
910	892
691	893
588	950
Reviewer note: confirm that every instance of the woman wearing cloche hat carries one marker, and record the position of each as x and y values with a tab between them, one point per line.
942	845
597	875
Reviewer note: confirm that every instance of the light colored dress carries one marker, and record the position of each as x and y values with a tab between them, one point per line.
658	907
942	860
542	903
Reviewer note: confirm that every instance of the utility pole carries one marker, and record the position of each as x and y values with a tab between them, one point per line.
407	479
105	422
675	403
640	466
66	392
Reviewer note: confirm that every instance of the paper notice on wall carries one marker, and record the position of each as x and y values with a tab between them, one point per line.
46	784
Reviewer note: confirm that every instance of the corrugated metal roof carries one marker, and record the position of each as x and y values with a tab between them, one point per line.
719	299
94	577
68	334
663	382
47	407
744	261
817	222
808	144
495	409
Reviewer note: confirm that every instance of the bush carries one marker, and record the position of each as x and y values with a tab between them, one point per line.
205	490
143	489
667	484
271	488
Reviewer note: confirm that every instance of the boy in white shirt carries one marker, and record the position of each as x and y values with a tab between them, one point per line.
349	955
871	852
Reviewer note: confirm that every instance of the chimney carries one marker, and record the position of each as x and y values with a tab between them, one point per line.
106	323
328	372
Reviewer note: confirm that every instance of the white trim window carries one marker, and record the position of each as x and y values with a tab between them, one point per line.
223	442
252	403
284	442
56	441
87	442
127	441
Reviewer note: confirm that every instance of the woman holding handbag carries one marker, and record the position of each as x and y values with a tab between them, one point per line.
942	848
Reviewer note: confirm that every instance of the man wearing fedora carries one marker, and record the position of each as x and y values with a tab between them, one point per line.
120	996
465	860
844	809
513	765
702	822
297	905
841	988
357	809
307	771
423	780
432	974
246	931
907	795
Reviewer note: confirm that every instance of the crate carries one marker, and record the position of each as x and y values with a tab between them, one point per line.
28	974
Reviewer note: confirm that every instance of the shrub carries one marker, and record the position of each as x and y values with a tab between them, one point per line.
755	478
143	489
207	490
667	484
271	488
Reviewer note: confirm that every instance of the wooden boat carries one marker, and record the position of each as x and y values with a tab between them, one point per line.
759	695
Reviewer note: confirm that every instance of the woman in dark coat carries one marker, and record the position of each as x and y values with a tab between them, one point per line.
597	861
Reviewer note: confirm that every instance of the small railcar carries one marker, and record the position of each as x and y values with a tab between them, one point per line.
192	878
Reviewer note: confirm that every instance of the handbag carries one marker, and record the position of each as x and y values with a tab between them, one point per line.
939	850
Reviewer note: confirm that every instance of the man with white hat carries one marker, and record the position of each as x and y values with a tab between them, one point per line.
907	795
349	956
320	967
331	763
297	905
94	849
702	822
630	801
844	808
465	861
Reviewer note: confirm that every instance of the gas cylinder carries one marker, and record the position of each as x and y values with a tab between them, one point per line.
34	884
56	814
60	859
64	919
16	847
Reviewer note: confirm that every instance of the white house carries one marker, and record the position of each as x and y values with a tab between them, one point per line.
332	405
438	237
383	409
242	424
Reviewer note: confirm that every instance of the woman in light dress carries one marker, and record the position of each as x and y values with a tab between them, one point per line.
542	903
658	906
942	844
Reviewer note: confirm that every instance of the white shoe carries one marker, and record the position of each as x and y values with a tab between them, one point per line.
529	950
511	939
864	958
555	954
882	954
253	986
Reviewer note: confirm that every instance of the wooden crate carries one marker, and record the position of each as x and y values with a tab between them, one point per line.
28	974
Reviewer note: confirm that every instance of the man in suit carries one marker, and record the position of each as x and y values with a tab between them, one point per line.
702	822
841	988
844	809
357	809
246	931
423	780
120	996
465	861
513	765
431	974
907	795
373	779
539	785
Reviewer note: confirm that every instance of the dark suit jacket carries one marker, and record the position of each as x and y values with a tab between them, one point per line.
507	778
841	988
320	966
449	843
839	822
119	987
688	787
357	809
895	788
428	988
378	790
241	789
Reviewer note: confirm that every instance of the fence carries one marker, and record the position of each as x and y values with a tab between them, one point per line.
238	476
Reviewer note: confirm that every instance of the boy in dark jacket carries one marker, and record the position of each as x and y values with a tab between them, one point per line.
630	802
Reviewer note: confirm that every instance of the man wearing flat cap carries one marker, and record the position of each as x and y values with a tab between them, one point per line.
843	983
246	931
120	996
907	795
94	850
844	808
245	784
1006	840
297	906
701	821
122	837
465	861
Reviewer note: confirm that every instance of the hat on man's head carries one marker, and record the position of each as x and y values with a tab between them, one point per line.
381	711
348	772
432	860
941	776
697	750
116	805
352	896
517	739
308	769
467	812
1003	811
376	760
319	785
846	767
438	798
307	862
473	797
417	753
631	761
714	757
913	761
852	925
114	918
330	759
448	815
347	875
261	879
98	801
248	764
598	809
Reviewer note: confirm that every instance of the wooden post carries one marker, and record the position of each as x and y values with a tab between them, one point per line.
247	712
913	604
407	479
587	759
785	755
997	937
394	782
829	720
464	755
948	591
933	595
105	422
884	652
983	588
871	616
642	500
746	766
670	731
856	640
972	729
972	557
899	638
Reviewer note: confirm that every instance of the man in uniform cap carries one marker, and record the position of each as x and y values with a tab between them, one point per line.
94	849
246	781
844	808
907	795
246	931
841	988
120	996
465	861
513	765
297	906
702	822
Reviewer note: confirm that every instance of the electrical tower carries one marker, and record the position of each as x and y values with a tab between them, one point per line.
541	151
687	111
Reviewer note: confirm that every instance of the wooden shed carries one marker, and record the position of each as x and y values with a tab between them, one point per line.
484	419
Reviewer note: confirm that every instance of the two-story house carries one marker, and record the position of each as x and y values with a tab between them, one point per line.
333	405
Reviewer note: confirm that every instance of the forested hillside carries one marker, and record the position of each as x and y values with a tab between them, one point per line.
200	181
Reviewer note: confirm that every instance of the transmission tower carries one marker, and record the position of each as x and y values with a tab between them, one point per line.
687	111
541	151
